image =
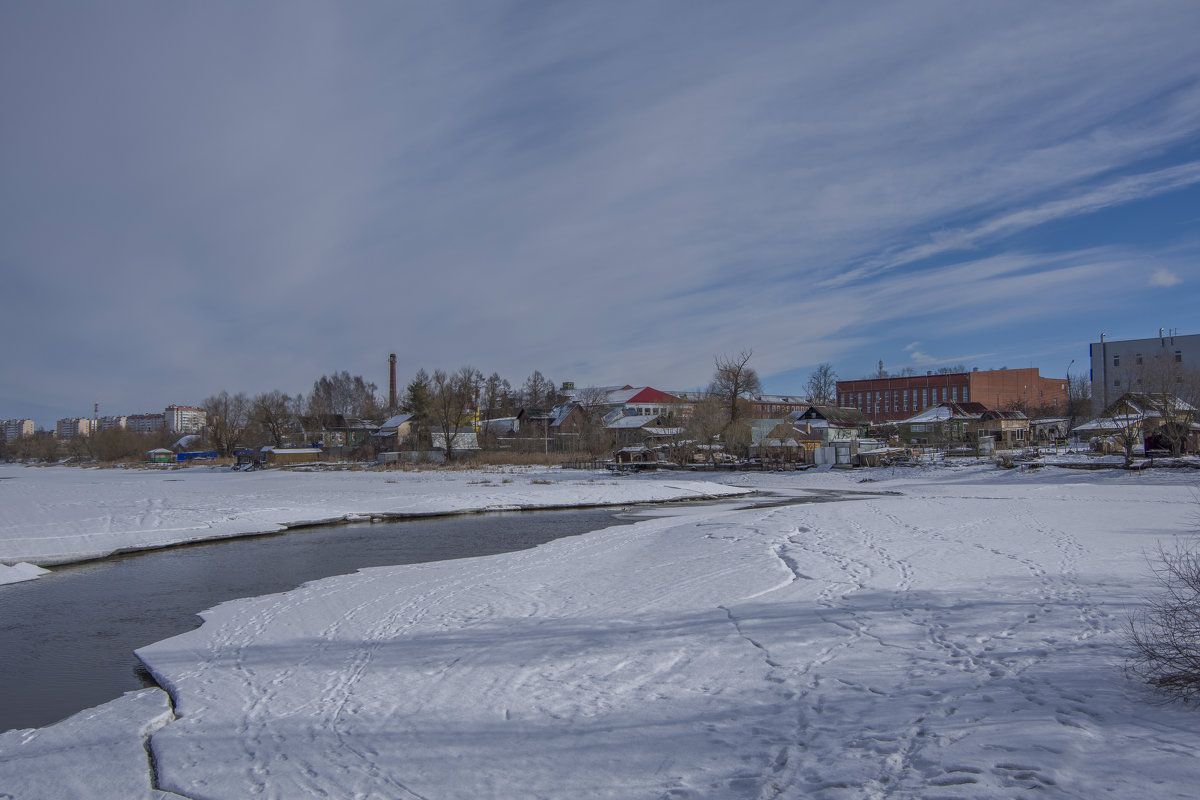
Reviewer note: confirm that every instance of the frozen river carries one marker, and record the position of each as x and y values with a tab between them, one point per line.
68	639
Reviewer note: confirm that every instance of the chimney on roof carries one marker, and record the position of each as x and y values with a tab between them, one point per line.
392	382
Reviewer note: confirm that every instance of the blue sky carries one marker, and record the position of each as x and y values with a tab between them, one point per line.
204	197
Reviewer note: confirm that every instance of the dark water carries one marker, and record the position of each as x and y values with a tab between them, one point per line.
67	639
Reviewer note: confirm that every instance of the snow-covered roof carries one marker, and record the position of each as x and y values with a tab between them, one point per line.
396	421
560	412
630	421
1111	423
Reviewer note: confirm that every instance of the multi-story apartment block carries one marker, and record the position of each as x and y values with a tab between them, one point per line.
895	399
74	426
146	423
1117	367
184	419
14	429
111	423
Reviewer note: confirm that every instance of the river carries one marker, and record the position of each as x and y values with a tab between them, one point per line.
67	639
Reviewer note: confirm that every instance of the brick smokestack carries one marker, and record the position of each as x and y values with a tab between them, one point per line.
392	381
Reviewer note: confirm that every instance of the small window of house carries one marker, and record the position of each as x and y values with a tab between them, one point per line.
1117	382
1178	356
1138	358
1116	361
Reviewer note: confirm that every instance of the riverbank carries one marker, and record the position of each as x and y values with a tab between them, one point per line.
57	515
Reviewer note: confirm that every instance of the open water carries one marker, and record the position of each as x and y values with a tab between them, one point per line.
67	639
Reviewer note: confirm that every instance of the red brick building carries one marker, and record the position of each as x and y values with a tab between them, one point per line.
894	399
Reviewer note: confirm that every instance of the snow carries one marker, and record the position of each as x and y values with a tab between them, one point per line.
21	571
54	515
97	753
962	638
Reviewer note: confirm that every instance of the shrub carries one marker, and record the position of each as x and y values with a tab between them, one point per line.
1165	636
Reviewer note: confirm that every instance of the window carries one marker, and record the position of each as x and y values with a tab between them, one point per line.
1137	359
1116	361
1116	382
964	394
1178	356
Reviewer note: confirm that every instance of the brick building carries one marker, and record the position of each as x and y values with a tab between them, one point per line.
894	399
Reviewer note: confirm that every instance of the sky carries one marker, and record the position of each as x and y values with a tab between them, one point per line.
198	197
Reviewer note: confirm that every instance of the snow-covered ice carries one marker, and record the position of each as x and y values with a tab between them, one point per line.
53	515
961	639
21	571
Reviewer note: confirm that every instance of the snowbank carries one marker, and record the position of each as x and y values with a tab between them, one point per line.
54	515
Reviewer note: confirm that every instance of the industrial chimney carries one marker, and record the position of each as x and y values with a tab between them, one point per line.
392	382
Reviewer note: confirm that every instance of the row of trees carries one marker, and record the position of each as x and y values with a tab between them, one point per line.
442	402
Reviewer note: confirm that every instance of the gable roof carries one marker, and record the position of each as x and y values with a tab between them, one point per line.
1146	404
947	411
836	415
395	422
641	394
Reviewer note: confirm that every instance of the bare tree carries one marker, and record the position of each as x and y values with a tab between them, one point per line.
1172	389
732	380
593	436
822	385
273	412
1164	637
705	425
1079	399
227	418
496	391
538	391
452	395
341	393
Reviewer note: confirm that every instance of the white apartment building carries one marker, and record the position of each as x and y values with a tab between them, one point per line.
1116	366
74	426
112	423
145	423
16	428
185	419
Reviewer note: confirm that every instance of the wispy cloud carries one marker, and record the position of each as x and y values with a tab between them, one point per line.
1119	191
1164	277
601	193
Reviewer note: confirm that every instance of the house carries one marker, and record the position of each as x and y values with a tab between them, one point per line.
392	432
1152	420
624	429
1007	429
291	456
942	424
1049	429
161	455
333	430
834	422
